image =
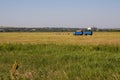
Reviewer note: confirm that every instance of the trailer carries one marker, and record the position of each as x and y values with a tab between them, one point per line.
78	33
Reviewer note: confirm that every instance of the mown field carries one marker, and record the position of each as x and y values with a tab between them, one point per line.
60	56
60	38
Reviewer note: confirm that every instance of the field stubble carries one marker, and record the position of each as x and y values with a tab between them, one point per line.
60	38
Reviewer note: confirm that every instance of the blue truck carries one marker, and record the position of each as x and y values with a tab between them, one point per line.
88	32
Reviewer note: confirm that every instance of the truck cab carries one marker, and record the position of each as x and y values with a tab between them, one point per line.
87	32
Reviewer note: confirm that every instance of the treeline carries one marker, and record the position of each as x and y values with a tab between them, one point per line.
37	29
13	29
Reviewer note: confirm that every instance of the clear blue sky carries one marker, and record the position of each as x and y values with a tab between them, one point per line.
60	13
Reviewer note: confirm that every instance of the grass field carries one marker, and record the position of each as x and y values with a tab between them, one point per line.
60	56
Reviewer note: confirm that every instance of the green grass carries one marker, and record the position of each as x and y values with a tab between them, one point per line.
61	62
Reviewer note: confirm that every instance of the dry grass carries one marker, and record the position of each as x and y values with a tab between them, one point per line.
16	75
13	71
60	38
